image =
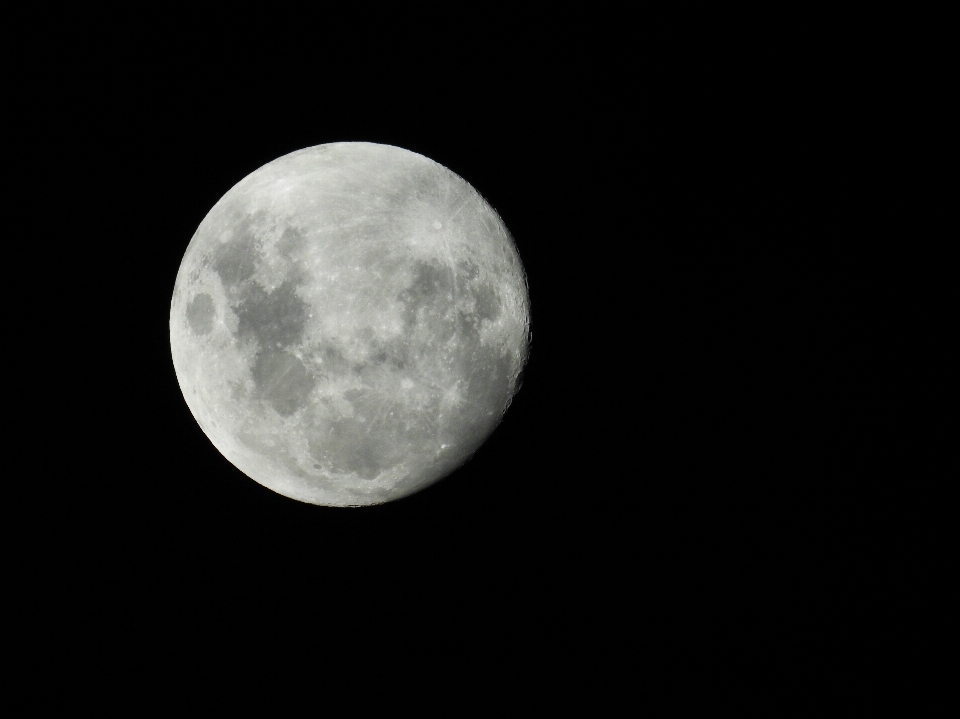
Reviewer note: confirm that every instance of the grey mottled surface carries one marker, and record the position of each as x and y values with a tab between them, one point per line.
349	322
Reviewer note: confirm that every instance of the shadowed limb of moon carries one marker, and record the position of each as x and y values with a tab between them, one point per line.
349	323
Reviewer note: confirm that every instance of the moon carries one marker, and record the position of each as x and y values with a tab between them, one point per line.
349	323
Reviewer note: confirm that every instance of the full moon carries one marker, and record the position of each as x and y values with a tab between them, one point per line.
349	323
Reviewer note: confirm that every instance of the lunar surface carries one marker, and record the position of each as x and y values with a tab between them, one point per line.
349	323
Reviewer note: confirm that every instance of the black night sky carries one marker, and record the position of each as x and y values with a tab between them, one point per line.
668	474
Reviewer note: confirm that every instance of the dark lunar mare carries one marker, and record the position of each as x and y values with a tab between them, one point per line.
273	319
201	313
282	380
238	259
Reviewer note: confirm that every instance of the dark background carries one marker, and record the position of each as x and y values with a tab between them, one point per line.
674	480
